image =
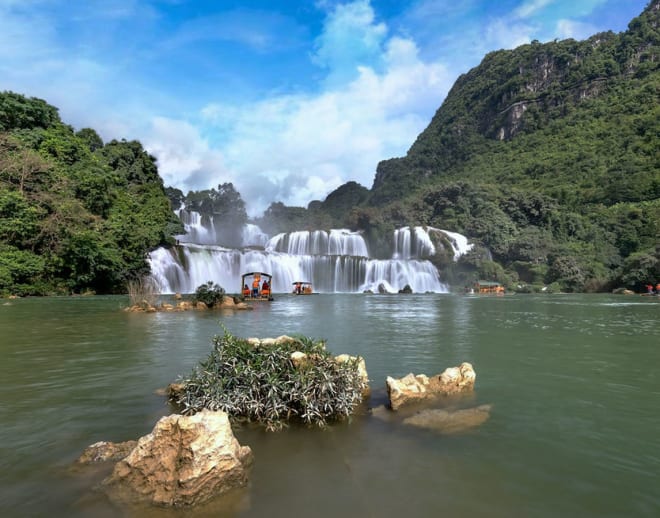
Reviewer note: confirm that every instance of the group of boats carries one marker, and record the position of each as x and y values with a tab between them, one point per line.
256	286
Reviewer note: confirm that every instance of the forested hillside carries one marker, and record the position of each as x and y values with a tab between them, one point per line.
75	214
548	156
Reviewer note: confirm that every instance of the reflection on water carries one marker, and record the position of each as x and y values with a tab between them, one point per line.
573	428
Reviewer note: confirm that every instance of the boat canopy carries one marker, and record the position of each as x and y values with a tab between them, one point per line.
256	274
257	285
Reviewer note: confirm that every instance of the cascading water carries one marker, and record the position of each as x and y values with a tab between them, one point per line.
418	243
196	231
335	261
319	242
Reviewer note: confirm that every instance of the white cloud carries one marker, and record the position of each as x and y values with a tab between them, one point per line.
351	37
531	7
296	148
185	159
507	34
573	29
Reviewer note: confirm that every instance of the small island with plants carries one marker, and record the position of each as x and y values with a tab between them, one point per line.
144	297
273	382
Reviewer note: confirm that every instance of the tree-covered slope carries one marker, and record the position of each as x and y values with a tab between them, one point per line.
75	214
543	114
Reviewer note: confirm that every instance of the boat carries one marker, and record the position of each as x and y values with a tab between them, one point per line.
486	287
256	286
302	288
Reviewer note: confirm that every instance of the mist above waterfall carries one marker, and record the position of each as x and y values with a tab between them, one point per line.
334	261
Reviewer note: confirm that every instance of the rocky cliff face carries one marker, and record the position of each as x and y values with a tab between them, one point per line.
524	89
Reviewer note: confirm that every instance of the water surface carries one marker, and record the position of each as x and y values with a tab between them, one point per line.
572	380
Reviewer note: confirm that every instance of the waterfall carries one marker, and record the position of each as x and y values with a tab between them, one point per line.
334	261
253	236
418	243
458	241
320	242
196	230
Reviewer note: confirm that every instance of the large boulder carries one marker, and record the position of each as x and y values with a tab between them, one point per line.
415	388
185	460
229	302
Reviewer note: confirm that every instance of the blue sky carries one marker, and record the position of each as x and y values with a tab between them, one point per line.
287	99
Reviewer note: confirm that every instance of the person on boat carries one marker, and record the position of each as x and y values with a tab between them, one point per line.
246	291
296	288
255	285
265	289
657	289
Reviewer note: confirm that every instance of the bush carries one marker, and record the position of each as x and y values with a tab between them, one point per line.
209	293
261	383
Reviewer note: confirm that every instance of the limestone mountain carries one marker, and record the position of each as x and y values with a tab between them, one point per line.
548	156
541	112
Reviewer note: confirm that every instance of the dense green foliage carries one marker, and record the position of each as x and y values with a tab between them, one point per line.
261	383
546	156
281	218
75	214
209	293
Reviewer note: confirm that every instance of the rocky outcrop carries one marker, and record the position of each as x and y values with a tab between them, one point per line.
185	460
227	302
447	421
414	388
104	451
622	291
283	339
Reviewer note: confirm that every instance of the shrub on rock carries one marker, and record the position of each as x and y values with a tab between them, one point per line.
209	294
258	381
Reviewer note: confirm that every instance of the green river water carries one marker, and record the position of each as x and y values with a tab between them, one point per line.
572	379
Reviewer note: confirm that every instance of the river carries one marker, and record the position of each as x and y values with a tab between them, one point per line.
572	380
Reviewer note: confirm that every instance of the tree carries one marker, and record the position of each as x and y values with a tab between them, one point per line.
129	159
91	138
21	168
20	112
175	196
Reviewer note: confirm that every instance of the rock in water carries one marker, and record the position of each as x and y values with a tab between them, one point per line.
450	421
104	451
411	388
185	460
